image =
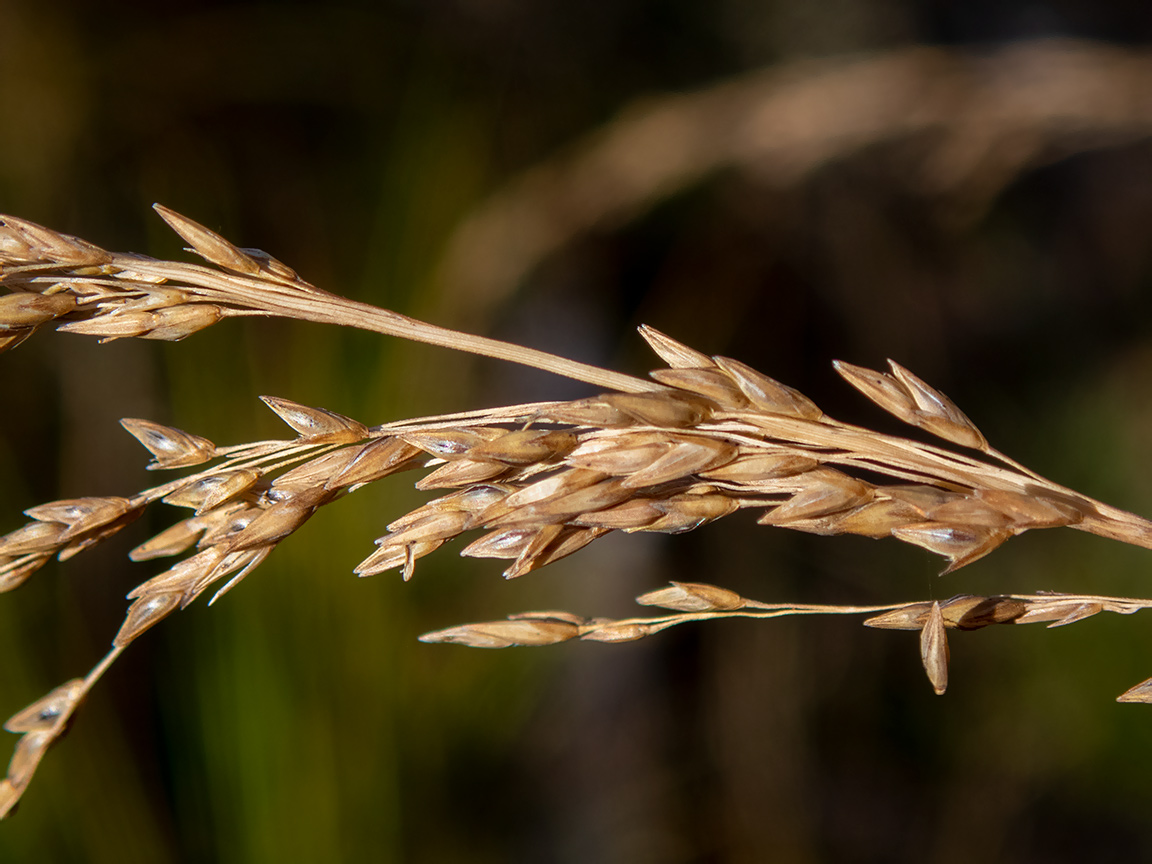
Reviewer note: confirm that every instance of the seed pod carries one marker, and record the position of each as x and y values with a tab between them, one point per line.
686	456
551	543
210	492
668	409
882	389
375	460
768	394
80	514
505	634
684	513
461	472
316	472
30	749
960	544
451	443
1058	612
48	711
693	597
13	575
620	454
969	511
937	413
825	491
560	508
675	354
934	650
922	497
1031	511
748	470
224	523
712	384
525	447
208	244
1142	692
172	448
112	325
616	631
552	486
596	413
876	518
634	514
24	242
508	543
182	577
173	323
32	538
21	311
276	522
146	611
313	423
387	557
435	526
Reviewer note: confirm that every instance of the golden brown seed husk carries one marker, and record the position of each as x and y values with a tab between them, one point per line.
1142	692
210	492
505	634
683	513
48	711
671	409
615	631
316	423
375	460
451	443
620	454
825	491
960	544
276	522
146	611
210	245
81	514
525	447
934	649
750	469
1031	511
505	543
461	472
768	394
23	311
561	507
13	575
686	457
32	538
315	473
876	518
179	322
676	354
170	447
693	597
712	384
390	557
636	513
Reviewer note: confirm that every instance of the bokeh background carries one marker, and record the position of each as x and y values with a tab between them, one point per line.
951	184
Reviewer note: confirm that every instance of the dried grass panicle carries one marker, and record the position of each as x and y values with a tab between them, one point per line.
697	441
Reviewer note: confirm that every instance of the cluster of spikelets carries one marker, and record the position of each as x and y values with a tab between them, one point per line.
705	437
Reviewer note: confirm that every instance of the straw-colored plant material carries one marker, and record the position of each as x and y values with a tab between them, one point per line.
529	484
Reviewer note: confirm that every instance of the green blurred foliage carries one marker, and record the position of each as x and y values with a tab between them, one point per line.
299	720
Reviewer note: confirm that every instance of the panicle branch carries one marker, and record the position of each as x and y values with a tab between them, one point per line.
702	438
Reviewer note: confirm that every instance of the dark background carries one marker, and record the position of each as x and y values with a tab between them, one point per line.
299	719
